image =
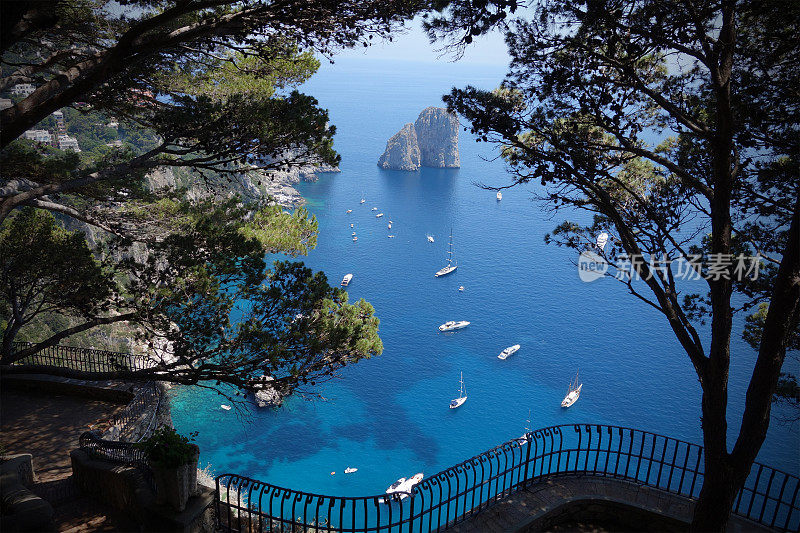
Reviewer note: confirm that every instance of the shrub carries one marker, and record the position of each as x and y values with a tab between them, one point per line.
166	448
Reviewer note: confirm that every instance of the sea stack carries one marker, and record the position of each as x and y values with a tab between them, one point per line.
432	141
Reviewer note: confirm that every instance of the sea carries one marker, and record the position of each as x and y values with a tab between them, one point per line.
388	416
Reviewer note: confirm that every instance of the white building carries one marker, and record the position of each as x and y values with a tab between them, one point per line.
39	136
25	89
65	142
115	144
59	117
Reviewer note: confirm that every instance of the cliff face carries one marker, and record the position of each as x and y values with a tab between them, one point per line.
437	135
402	150
432	141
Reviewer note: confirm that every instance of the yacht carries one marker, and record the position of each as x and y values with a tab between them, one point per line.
374	208
430	238
450	267
452	325
508	351
403	486
499	196
346	280
350	470
395	486
573	393
391	236
462	396
379	215
226	407
602	239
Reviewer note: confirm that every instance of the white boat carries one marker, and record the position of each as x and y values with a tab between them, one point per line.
461	289
390	222
602	239
462	396
354	234
396	485
352	226
379	215
362	201
226	407
346	280
451	266
350	470
452	325
430	238
508	351
391	236
349	211
499	196
573	393
374	208
390	225
355	239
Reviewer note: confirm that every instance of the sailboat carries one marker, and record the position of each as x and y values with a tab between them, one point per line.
462	396
430	238
450	266
573	393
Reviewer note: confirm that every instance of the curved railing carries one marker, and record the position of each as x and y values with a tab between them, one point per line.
123	453
82	359
769	497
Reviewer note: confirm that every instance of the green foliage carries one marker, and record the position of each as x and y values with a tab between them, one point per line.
166	448
46	269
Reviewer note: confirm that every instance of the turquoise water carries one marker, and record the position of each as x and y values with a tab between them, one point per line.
389	416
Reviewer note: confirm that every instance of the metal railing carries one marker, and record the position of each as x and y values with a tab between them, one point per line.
123	453
769	496
140	413
82	359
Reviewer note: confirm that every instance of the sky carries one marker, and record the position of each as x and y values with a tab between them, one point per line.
413	45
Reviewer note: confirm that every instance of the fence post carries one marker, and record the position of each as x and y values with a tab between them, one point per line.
527	461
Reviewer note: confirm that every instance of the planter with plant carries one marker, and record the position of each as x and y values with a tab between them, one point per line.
173	459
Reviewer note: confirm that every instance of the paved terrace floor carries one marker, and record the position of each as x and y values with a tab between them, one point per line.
48	426
614	504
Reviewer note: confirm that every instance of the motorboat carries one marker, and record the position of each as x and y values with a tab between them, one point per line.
499	196
390	225
461	289
452	325
374	208
391	236
452	264
225	407
395	486
462	396
352	226
354	234
379	215
508	351
349	211
355	239
346	280
362	200
430	238
573	393
350	470
403	486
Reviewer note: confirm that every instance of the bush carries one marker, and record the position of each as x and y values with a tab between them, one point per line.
167	449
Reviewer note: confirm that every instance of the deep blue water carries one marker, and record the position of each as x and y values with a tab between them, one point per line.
389	416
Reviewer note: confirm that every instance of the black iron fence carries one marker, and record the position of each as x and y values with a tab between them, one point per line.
82	359
138	419
123	453
769	497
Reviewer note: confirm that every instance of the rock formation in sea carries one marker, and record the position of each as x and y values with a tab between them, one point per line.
432	141
402	150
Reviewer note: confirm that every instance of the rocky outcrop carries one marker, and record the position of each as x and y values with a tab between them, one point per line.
268	396
432	141
437	135
402	150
